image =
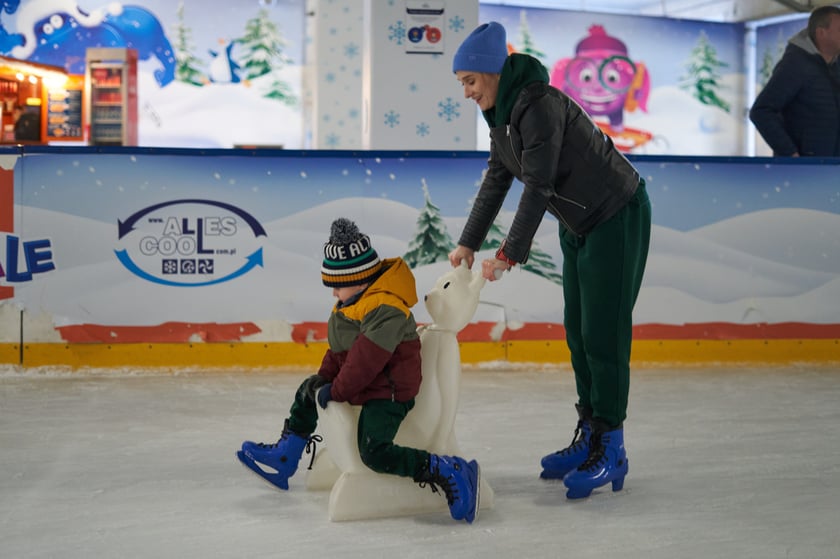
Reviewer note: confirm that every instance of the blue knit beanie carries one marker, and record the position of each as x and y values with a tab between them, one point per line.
485	50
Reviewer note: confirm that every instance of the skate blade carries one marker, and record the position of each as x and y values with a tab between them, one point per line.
549	475
274	479
473	514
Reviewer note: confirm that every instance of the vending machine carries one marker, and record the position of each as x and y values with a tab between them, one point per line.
111	96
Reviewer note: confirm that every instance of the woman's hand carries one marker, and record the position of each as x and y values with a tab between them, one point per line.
492	269
462	253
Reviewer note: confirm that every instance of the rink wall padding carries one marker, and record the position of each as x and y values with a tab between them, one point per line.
148	257
245	356
177	355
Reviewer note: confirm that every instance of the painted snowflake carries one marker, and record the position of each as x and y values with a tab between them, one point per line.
351	50
392	119
456	23
396	32
448	109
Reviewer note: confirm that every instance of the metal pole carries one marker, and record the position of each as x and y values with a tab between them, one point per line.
751	80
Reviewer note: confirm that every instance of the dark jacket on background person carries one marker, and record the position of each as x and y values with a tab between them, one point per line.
798	111
28	127
568	166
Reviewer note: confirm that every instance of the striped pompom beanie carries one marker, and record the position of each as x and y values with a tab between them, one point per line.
349	258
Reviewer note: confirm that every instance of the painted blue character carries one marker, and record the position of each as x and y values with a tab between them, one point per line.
60	38
223	68
8	41
9	6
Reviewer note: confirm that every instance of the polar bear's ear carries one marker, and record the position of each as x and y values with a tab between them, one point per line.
477	281
464	263
462	272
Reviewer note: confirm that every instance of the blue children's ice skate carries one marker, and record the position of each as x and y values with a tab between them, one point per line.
277	462
459	481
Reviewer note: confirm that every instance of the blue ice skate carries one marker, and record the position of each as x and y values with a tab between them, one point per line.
460	482
277	462
606	463
557	464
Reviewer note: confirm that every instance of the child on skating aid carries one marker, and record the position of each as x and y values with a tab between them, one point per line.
373	360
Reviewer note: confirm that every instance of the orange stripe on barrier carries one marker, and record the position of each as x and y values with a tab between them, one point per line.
306	332
243	356
168	332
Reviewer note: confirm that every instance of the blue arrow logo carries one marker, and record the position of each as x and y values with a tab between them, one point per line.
253	260
127	226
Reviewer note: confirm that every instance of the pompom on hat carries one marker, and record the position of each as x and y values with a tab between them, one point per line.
599	40
484	50
349	258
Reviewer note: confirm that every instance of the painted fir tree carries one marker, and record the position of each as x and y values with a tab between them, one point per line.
525	39
770	59
186	63
703	77
767	64
494	237
281	91
263	45
431	242
541	263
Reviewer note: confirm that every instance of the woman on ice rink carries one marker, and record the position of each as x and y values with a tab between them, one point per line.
572	170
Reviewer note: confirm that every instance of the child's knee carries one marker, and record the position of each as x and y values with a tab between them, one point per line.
369	458
373	457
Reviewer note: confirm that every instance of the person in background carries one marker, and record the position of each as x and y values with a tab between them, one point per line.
27	123
573	171
373	360
798	111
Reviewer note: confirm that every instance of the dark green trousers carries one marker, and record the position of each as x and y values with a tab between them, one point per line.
379	422
602	273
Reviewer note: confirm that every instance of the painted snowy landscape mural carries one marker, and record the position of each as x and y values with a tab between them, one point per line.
747	244
211	74
687	98
219	74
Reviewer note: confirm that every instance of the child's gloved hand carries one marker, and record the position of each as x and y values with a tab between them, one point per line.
312	384
325	395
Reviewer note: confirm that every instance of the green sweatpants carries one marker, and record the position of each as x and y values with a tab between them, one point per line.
379	422
602	273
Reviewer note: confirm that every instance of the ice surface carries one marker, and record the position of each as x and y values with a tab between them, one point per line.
724	462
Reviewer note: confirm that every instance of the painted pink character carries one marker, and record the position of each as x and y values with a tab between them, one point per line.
602	79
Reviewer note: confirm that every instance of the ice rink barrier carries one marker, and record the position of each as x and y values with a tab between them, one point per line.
210	258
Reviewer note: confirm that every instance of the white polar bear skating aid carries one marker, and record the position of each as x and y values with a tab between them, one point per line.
357	492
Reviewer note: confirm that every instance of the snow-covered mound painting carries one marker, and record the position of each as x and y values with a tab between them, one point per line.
737	244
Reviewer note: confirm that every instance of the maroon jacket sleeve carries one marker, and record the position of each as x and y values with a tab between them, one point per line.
330	365
365	361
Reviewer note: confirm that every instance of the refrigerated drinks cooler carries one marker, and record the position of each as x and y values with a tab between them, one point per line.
111	96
